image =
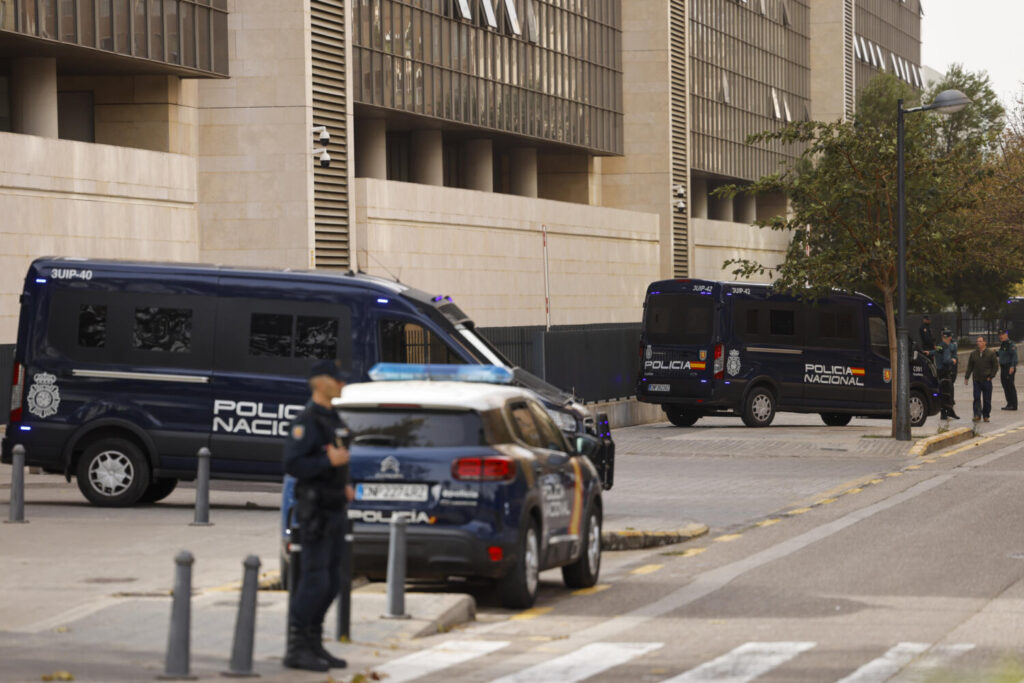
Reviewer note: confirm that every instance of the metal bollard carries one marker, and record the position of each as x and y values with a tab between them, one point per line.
176	667
16	514
396	569
343	631
202	516
245	624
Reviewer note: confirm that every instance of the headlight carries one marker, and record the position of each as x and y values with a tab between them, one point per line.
565	421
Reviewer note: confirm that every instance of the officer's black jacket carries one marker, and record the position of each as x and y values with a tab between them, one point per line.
305	452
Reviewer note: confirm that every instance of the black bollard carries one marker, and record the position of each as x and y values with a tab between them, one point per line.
202	516
396	569
176	666
245	624
16	514
343	630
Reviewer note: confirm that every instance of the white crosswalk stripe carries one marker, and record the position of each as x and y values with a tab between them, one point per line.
888	665
744	663
434	659
936	658
581	664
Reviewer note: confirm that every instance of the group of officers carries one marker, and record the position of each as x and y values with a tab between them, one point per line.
982	366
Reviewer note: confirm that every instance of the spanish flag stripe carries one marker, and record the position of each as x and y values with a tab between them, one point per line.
697	365
577	498
857	371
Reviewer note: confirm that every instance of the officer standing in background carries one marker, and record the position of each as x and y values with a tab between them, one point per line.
945	364
1007	369
925	332
316	454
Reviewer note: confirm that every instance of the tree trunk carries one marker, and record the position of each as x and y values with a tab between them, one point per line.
890	321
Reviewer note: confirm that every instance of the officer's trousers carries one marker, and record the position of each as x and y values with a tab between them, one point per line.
1008	385
319	577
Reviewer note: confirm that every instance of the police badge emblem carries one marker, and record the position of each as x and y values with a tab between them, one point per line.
649	352
44	395
703	354
732	365
887	375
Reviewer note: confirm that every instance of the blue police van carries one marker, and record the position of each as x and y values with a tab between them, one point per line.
123	370
720	348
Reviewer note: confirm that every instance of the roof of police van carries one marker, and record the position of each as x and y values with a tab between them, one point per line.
441	395
213	268
735	283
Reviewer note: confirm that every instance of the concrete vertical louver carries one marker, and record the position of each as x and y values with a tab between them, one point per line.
849	64
678	60
330	100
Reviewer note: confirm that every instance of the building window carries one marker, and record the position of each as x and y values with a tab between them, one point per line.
776	112
75	118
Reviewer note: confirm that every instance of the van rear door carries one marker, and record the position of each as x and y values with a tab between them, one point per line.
678	333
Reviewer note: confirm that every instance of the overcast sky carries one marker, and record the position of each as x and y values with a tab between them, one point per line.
980	34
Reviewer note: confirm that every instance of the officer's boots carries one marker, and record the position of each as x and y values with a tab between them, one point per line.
316	643
300	654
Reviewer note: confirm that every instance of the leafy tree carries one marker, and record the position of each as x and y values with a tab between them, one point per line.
843	198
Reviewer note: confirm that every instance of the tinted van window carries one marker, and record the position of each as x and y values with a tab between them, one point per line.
406	342
834	326
679	319
92	326
162	329
879	336
403	428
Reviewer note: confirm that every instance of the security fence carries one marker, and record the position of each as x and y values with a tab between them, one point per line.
595	362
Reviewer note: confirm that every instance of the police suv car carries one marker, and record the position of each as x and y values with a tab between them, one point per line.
722	348
488	483
124	370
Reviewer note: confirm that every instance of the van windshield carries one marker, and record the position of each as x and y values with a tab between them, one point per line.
679	319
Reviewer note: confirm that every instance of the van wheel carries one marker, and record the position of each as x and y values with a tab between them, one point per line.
113	472
680	417
759	408
836	419
519	588
158	490
584	571
918	409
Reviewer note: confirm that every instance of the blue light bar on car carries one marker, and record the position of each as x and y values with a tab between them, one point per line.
487	374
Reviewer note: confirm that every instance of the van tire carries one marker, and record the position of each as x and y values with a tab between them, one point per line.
518	589
158	490
918	409
836	419
113	472
681	417
759	407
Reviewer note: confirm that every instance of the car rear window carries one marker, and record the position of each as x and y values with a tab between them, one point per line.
679	319
411	428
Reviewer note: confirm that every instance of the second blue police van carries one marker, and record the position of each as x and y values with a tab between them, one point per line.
720	348
124	370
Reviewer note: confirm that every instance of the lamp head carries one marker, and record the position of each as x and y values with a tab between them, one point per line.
949	102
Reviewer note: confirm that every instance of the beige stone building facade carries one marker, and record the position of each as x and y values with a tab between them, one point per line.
534	159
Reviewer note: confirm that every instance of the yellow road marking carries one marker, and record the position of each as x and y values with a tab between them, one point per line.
768	522
825	501
851	491
531	613
875	481
912	467
798	511
690	552
647	569
726	538
895	474
593	589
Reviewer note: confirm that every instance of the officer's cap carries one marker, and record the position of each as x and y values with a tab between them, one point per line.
947	333
331	368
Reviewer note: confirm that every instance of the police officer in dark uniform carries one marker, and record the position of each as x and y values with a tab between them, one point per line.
945	363
925	332
1007	369
316	454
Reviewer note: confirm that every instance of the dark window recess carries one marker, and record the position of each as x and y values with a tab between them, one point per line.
679	319
836	327
550	435
162	329
316	337
270	335
414	428
92	327
879	336
405	342
782	323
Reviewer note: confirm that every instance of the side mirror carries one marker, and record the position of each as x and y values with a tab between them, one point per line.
588	445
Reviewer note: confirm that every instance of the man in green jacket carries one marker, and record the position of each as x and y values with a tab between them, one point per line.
983	366
1008	369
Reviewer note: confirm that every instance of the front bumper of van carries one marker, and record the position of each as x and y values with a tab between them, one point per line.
709	394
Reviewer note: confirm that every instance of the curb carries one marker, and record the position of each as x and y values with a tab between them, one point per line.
939	441
637	540
462	612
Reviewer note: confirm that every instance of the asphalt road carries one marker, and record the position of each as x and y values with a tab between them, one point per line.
910	577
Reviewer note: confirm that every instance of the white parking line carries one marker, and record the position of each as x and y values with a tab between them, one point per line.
744	663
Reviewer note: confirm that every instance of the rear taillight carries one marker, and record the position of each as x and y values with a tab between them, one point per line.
719	361
493	468
17	391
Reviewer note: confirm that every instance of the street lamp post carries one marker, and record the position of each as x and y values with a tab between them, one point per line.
946	102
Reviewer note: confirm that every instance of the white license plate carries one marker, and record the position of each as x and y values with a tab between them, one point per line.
658	387
415	493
